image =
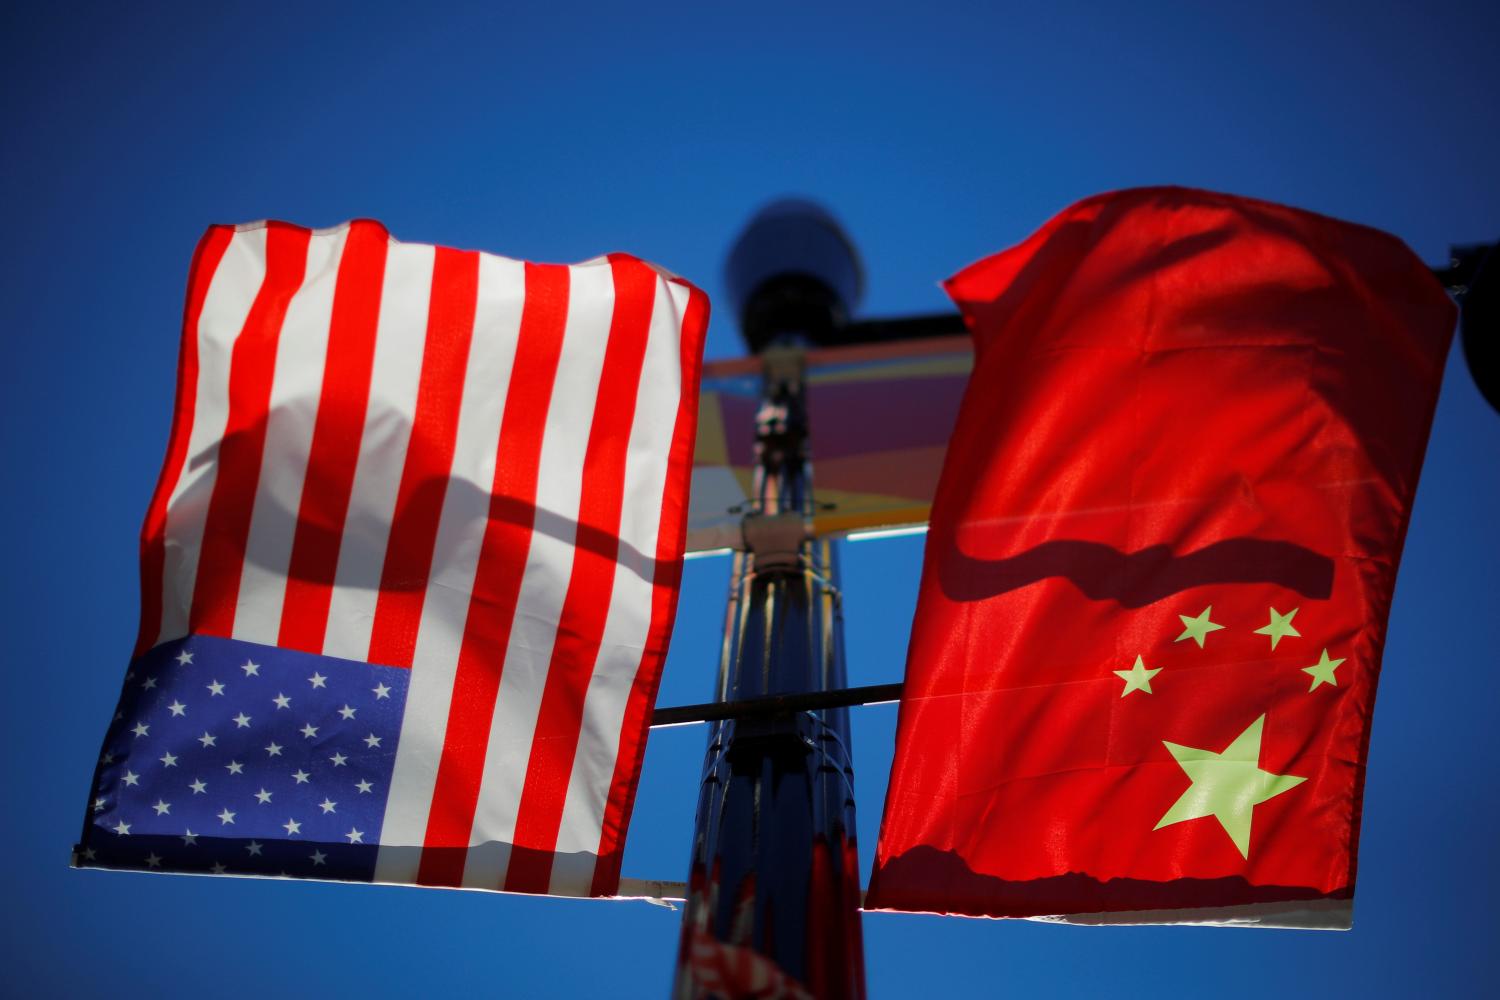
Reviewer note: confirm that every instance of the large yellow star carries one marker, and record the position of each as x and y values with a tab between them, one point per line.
1280	626
1227	785
1322	671
1138	677
1197	628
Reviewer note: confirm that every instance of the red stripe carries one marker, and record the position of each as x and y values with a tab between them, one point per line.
251	367
206	258
580	627
670	542
497	579
334	452
429	458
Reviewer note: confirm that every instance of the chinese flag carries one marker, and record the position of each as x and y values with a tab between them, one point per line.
1159	568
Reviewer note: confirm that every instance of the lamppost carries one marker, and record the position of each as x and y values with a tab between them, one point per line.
773	892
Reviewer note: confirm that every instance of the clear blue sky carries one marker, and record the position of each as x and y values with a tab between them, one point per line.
557	132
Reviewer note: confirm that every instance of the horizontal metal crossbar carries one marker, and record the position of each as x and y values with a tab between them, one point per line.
714	711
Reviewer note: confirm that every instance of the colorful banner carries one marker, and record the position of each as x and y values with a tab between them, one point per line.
879	415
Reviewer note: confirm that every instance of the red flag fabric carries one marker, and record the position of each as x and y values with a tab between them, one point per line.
1159	568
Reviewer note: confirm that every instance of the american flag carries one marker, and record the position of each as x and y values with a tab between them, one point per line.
409	573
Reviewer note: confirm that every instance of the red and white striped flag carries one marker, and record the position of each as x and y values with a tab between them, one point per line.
470	469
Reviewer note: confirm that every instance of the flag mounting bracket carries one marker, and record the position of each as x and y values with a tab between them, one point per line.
776	539
776	704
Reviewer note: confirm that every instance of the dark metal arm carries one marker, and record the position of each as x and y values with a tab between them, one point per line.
776	704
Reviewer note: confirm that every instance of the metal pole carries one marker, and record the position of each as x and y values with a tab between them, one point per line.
773	890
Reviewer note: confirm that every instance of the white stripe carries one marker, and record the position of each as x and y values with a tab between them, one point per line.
226	306
549	564
629	617
901	532
445	609
707	554
296	387
395	376
1307	914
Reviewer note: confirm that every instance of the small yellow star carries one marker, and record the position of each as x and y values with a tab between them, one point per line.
1322	671
1197	628
1280	626
1137	678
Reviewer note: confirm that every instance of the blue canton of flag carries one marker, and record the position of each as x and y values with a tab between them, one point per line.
236	758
